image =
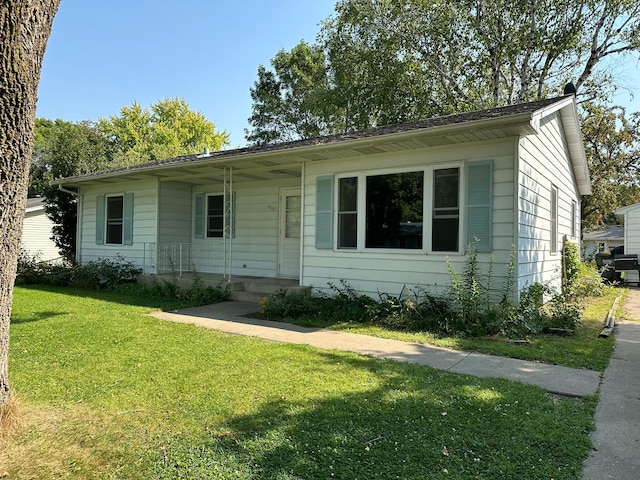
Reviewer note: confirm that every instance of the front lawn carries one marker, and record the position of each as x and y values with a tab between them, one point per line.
108	392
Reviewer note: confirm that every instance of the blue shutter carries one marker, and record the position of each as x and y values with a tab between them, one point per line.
324	212
127	219
198	219
480	205
100	219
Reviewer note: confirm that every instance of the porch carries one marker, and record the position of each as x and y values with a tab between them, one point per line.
182	263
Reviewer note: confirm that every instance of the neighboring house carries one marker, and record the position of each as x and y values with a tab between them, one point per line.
384	209
629	217
601	240
36	232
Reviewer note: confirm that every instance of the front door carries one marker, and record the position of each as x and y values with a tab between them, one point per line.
289	235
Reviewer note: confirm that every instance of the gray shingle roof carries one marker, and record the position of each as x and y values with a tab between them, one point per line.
434	122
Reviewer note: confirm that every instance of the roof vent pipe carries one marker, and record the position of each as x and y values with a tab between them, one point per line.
206	153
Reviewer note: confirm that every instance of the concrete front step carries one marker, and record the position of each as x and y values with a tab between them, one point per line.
254	290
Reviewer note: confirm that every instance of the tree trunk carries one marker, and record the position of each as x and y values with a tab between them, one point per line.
25	26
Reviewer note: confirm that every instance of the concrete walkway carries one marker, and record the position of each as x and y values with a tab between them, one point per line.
229	317
616	439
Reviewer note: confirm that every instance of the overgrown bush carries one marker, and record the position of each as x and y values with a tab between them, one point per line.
570	267
105	274
31	271
589	282
473	307
195	294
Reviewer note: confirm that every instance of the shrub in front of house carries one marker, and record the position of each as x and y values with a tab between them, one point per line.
32	271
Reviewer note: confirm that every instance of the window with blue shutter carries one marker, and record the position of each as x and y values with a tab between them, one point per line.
480	205
212	212
324	212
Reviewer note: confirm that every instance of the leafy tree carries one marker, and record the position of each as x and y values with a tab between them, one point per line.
389	62
167	129
291	101
65	149
25	26
612	145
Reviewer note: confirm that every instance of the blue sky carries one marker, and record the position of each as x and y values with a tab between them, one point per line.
102	56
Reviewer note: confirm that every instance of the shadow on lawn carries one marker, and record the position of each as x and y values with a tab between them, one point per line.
418	423
35	317
122	297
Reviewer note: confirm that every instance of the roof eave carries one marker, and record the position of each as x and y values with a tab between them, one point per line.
521	123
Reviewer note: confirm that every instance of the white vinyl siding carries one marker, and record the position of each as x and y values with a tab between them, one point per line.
392	271
174	217
36	236
544	160
255	243
144	216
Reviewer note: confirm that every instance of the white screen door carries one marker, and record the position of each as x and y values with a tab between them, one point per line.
289	235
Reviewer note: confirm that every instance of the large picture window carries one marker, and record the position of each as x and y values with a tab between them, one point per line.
388	211
394	210
115	216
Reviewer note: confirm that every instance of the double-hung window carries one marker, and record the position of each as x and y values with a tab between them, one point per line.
554	219
114	219
445	221
114	214
215	215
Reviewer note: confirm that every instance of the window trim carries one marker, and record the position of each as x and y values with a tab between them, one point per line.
102	218
200	219
207	196
106	219
427	205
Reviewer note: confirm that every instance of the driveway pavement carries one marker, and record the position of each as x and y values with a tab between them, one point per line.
616	439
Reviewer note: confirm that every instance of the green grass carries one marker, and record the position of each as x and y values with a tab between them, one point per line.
583	350
109	392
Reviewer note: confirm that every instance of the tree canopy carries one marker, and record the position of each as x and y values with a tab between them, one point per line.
64	149
378	62
612	144
168	128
